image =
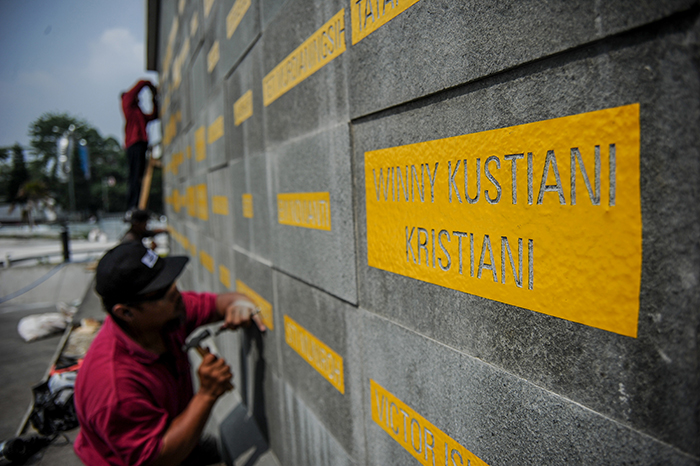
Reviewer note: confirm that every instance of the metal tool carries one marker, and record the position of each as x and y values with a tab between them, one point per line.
195	342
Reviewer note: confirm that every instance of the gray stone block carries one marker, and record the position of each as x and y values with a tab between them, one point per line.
249	177
307	439
208	263
330	321
216	130
319	101
167	15
497	416
200	148
219	192
435	45
190	277
199	81
213	35
269	9
258	277
245	136
243	25
317	163
648	383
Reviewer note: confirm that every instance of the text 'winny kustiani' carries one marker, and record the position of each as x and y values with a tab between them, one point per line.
472	181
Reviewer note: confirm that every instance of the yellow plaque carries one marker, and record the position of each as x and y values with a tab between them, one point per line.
190	201
213	57
243	108
207	261
208	4
176	162
264	306
194	23
545	216
428	444
202	205
215	130
225	276
177	200
316	52
308	210
200	144
234	17
247	205
369	15
219	205
326	361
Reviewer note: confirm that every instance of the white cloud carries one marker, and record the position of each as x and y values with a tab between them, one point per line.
116	53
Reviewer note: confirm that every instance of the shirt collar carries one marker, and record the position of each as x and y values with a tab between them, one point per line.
138	352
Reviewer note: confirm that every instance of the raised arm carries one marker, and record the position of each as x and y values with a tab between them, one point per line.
184	432
236	310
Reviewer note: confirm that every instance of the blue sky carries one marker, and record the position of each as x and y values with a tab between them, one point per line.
73	56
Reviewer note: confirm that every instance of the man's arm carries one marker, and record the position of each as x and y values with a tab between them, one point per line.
131	97
154	99
236	310
184	432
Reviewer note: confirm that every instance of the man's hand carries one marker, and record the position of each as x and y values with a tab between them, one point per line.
214	376
240	312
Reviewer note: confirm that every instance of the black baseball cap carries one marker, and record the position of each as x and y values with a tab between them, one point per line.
130	270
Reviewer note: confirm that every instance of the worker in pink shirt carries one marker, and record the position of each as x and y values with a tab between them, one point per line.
136	137
134	395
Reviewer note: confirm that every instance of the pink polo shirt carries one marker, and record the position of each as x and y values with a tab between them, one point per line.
126	397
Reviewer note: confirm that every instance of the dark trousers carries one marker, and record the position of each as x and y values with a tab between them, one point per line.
204	454
136	154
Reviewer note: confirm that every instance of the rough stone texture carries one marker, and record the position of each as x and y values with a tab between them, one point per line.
194	268
307	439
258	276
327	319
501	418
320	100
221	225
216	150
647	382
248	30
250	176
207	278
509	384
452	43
269	9
198	80
318	163
246	139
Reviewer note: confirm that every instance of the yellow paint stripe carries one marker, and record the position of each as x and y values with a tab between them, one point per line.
326	361
307	210
428	444
265	306
317	51
234	17
219	205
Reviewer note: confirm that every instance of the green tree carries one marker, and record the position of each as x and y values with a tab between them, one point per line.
106	159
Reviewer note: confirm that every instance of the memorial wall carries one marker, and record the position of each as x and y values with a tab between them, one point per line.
471	227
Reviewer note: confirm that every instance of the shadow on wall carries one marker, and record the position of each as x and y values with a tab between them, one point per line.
244	435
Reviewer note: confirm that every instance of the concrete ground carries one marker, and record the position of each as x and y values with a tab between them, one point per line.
25	364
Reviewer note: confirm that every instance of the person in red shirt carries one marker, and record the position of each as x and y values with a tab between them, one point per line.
136	137
133	394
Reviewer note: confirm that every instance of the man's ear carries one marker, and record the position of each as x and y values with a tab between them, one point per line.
123	312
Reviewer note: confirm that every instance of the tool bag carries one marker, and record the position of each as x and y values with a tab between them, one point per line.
53	411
